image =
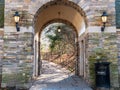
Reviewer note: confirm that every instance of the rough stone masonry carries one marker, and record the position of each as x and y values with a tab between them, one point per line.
17	51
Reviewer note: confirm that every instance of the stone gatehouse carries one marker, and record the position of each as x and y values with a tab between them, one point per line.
19	51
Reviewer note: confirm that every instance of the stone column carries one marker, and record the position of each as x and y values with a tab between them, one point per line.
77	60
36	58
1	54
39	65
37	61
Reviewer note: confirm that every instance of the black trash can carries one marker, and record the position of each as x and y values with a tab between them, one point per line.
102	74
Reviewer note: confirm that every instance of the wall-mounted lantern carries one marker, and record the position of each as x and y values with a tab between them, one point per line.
17	18
104	20
59	29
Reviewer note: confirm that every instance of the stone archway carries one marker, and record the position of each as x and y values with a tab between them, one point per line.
68	24
60	11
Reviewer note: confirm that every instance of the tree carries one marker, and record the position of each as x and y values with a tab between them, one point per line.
62	44
63	41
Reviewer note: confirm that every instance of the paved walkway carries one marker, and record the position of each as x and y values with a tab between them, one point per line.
55	77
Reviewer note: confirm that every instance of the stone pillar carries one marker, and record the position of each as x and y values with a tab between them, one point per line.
18	46
37	61
83	61
18	57
1	53
77	60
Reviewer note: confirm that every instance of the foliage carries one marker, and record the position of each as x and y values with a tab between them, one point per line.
54	40
61	41
61	44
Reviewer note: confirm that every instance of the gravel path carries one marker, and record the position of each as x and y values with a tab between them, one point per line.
54	77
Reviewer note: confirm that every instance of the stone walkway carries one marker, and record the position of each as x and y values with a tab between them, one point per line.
55	77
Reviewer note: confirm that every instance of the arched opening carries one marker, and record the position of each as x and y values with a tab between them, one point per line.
62	11
58	45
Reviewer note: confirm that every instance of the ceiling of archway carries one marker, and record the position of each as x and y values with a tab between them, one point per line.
59	10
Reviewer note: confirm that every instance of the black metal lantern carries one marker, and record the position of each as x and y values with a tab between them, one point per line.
59	29
104	20
104	17
17	18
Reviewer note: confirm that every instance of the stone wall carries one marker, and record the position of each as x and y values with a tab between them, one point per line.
110	46
17	69
118	45
117	4
18	46
1	52
18	58
96	9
